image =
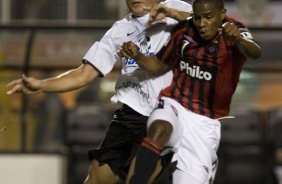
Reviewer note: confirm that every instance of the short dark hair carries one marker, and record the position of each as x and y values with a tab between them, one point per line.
217	3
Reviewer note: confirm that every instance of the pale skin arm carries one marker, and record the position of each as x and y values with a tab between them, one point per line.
160	11
250	48
150	63
67	81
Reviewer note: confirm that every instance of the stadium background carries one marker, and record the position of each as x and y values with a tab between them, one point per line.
46	136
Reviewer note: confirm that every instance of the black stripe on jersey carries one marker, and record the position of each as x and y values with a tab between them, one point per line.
185	57
202	82
212	87
162	53
192	83
180	98
165	53
191	93
172	48
213	82
175	89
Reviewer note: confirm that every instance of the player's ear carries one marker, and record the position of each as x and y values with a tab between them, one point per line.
223	14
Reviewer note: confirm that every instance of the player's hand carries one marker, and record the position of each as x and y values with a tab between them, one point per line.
231	32
27	85
157	12
129	50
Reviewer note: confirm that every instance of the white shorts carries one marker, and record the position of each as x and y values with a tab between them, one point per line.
194	141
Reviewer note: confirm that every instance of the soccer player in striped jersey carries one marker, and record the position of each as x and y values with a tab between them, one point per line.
206	54
136	90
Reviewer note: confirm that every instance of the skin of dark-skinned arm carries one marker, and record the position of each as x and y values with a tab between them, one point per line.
250	48
150	63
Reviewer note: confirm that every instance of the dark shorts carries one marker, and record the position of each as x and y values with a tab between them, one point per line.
125	132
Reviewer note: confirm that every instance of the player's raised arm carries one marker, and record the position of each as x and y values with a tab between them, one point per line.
70	80
244	39
160	11
149	63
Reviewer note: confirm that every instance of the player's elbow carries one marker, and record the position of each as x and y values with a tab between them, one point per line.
255	54
85	74
253	50
160	70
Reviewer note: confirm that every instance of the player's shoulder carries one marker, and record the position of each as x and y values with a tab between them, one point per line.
121	26
187	23
126	21
182	26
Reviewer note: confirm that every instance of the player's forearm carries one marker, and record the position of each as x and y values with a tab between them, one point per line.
250	48
151	64
178	15
62	83
68	81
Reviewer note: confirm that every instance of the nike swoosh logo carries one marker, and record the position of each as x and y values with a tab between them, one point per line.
128	34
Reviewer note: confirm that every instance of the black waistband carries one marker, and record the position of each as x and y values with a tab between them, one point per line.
129	109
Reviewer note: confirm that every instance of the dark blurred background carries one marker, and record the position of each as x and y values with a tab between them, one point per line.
52	132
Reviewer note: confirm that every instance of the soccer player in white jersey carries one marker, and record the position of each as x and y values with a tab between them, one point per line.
136	90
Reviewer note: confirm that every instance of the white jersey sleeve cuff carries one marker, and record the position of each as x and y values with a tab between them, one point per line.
101	57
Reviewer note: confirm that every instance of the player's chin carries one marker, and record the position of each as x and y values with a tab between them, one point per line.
207	36
138	12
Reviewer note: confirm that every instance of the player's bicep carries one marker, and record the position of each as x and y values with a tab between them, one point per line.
249	47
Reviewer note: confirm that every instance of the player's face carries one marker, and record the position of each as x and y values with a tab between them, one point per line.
207	19
137	6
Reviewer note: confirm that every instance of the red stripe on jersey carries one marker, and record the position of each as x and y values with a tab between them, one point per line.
171	48
206	110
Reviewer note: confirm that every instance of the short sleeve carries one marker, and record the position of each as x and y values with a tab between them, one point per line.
103	54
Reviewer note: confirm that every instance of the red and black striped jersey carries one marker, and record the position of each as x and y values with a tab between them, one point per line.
205	73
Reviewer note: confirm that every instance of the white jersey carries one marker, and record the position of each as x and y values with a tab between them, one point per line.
135	87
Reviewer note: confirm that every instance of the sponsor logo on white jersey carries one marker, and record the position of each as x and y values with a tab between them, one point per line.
128	62
195	71
144	46
135	86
